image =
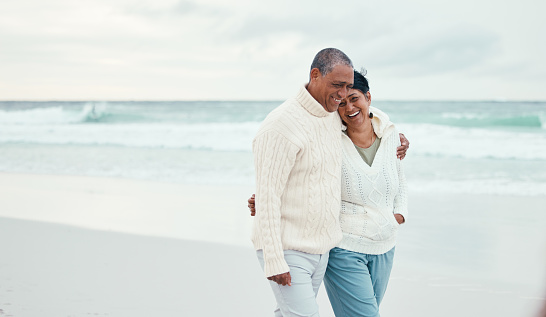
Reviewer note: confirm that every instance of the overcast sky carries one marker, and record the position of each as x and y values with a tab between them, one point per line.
262	50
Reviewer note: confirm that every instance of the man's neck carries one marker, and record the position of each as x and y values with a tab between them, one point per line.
311	91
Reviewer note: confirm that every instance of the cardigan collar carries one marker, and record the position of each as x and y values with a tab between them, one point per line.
310	104
380	122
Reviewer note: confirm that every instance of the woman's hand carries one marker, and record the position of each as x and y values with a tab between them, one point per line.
399	218
403	148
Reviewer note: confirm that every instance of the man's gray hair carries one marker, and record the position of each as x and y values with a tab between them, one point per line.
328	58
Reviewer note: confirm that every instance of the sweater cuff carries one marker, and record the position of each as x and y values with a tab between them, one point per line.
275	266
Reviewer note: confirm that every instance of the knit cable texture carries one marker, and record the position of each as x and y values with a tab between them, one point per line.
298	164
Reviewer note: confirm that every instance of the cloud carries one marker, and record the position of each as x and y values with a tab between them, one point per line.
328	26
169	9
427	52
256	49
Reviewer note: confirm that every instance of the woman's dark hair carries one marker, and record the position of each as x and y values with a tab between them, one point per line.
360	82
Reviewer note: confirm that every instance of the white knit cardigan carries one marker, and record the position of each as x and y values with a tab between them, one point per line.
297	159
371	195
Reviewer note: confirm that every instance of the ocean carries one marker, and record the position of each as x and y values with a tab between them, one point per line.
456	147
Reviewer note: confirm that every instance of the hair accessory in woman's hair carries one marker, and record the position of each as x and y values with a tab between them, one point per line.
363	71
370	115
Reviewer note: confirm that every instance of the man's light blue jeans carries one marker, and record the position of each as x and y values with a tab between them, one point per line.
356	282
306	271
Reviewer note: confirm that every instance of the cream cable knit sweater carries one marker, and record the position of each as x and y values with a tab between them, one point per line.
297	159
371	195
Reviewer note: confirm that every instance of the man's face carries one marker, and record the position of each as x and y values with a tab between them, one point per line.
330	89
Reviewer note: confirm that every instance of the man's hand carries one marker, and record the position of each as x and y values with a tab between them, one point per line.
403	148
252	205
399	218
282	279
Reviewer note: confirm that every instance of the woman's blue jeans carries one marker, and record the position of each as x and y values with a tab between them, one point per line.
356	282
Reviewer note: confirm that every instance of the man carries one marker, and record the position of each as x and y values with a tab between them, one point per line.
297	159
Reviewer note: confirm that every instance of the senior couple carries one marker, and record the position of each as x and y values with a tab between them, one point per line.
330	193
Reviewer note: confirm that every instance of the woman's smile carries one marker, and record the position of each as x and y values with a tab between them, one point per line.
354	114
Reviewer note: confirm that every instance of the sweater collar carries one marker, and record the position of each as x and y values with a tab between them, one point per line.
310	104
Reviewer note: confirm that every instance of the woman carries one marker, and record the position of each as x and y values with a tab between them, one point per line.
374	203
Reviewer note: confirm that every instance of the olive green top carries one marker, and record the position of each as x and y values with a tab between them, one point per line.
369	154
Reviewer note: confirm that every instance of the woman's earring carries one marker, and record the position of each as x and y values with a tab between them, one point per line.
370	115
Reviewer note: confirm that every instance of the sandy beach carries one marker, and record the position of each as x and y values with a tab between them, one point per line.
89	246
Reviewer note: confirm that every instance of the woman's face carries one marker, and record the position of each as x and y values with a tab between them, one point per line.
354	109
